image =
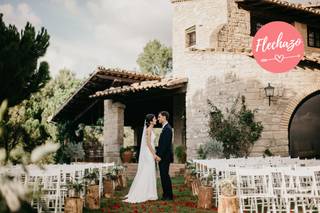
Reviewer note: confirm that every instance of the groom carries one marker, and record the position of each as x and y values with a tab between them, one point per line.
165	153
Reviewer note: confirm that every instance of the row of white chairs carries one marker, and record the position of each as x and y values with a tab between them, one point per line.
50	183
221	169
224	168
279	189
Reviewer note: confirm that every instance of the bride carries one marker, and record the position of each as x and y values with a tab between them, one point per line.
144	185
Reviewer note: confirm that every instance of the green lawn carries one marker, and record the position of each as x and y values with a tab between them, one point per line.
183	202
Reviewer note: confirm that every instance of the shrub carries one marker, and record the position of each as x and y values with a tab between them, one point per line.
236	130
74	151
212	149
181	154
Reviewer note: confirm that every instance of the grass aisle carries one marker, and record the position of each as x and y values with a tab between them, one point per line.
183	202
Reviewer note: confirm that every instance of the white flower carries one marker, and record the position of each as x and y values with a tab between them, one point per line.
43	150
3	155
11	198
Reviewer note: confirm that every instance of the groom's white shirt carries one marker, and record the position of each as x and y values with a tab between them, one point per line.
163	125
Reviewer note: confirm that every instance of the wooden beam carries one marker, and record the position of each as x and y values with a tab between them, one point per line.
84	111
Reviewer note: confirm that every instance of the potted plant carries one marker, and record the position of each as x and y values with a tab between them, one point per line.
74	203
181	154
117	171
190	173
228	201
205	192
108	183
195	185
92	198
126	154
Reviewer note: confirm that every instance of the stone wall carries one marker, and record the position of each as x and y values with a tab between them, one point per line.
206	15
221	77
236	33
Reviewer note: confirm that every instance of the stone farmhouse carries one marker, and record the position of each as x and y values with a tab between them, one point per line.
212	60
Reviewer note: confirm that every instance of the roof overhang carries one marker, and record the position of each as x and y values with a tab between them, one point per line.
297	12
141	87
79	102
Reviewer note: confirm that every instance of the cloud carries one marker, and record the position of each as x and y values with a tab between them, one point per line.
114	34
95	32
19	15
69	5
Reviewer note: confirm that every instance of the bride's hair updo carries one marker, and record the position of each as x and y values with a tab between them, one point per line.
149	118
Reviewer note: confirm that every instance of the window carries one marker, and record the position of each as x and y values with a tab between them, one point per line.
313	37
257	21
191	37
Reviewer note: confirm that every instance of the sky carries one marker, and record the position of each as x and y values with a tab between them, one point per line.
85	34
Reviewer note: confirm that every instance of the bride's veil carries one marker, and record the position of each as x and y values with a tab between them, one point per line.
143	144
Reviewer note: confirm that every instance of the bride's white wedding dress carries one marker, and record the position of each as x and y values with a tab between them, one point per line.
144	185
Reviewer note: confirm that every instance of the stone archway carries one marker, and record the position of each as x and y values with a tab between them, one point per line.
304	134
293	106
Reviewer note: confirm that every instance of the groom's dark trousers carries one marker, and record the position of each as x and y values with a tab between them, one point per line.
165	152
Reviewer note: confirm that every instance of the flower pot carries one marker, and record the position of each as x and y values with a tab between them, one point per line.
187	173
228	204
195	187
205	197
92	197
189	179
119	183
127	156
124	179
108	188
73	205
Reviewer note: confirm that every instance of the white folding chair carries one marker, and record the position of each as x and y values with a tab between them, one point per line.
254	190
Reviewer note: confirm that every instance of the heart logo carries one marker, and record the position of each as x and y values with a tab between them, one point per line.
279	58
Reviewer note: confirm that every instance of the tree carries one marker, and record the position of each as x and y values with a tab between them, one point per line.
156	59
21	75
237	130
27	125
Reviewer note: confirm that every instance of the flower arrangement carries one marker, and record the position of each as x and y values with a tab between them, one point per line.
91	178
207	180
113	173
75	188
228	186
191	168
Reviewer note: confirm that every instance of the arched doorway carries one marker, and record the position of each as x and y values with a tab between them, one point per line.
304	128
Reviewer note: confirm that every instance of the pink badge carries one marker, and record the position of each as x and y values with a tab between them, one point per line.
278	47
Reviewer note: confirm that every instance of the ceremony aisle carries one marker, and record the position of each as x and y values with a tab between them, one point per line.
183	202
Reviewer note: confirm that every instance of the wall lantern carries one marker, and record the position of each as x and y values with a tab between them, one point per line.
269	91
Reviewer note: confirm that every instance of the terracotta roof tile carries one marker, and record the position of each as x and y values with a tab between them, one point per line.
125	74
165	83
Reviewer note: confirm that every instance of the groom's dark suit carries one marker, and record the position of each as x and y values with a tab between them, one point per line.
165	152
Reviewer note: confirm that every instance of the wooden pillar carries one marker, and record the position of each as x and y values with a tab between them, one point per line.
113	130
